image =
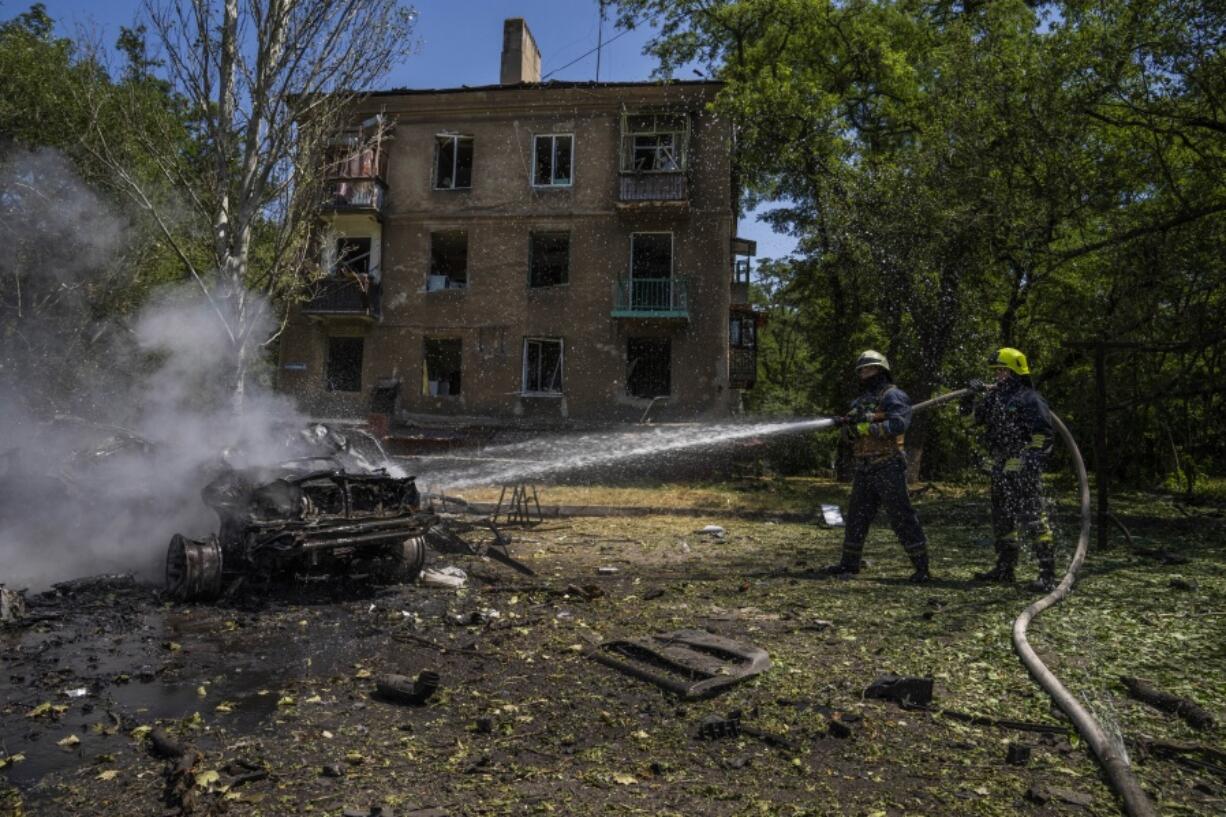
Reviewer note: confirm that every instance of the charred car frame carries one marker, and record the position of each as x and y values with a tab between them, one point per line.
315	516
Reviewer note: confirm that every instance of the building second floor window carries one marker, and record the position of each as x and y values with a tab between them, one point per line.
548	259
554	156
448	260
453	163
651	255
742	331
654	143
542	366
352	256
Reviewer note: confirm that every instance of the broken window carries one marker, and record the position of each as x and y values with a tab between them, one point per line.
454	165
352	256
554	156
548	259
648	367
344	369
443	358
542	365
654	143
448	260
651	255
742	331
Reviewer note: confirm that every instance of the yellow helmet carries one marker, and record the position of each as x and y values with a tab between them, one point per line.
871	357
1011	359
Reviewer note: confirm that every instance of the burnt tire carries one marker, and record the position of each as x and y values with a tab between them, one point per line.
193	568
406	560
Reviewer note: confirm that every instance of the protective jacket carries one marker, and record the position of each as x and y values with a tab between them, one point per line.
1016	424
887	411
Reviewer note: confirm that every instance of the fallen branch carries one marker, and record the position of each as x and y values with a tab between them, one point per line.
417	639
1196	715
1003	723
1178	752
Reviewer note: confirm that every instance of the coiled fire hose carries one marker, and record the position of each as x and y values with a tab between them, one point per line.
1119	772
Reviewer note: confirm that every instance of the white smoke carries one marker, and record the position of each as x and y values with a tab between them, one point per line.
108	428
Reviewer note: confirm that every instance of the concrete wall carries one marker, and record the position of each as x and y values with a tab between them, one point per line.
498	309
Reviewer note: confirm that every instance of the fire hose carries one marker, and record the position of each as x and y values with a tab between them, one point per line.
1114	763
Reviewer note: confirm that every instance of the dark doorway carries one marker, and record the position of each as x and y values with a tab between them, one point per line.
649	367
344	372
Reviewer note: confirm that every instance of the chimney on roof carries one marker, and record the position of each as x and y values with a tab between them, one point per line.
521	59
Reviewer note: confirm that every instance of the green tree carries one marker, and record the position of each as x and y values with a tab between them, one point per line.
963	175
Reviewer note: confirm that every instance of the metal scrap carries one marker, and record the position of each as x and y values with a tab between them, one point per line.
690	663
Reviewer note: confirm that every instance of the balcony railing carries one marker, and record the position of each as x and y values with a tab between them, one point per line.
644	188
742	367
346	297
650	298
354	194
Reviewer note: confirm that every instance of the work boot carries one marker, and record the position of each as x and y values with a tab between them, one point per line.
842	569
1046	582
1002	572
920	562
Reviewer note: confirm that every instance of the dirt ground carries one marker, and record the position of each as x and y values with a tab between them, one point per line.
526	724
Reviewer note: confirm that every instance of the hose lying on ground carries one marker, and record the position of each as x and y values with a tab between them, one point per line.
1119	773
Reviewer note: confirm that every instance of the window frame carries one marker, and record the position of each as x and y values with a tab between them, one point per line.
455	139
532	234
337	263
425	365
430	264
667	343
524	390
553	161
672	253
680	132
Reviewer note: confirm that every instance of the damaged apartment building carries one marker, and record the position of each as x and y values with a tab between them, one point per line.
529	252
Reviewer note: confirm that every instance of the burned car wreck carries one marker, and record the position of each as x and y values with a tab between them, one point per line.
333	512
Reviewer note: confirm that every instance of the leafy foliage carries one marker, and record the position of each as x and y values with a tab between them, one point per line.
962	175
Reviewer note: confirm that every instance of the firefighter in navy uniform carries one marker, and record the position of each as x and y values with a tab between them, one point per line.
878	420
1017	432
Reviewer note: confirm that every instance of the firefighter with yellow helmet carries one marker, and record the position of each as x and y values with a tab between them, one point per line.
875	427
1018	434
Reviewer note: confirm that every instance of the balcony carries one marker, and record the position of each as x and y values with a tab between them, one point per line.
350	297
354	194
742	367
638	190
663	298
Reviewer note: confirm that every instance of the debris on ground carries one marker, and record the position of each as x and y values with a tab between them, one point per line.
714	531
1197	716
450	577
832	517
909	692
1042	795
12	605
105	583
402	689
689	663
1017	754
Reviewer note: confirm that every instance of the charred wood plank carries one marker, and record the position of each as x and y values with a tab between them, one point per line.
1196	715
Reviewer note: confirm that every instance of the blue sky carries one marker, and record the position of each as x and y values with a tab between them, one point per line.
459	43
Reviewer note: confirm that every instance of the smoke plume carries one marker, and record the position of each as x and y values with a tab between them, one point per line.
109	425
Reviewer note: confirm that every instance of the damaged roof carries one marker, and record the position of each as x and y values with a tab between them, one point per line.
550	85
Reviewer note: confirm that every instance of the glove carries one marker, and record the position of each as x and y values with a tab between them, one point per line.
976	386
862	429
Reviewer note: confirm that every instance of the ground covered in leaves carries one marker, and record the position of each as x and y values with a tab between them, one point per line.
277	694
